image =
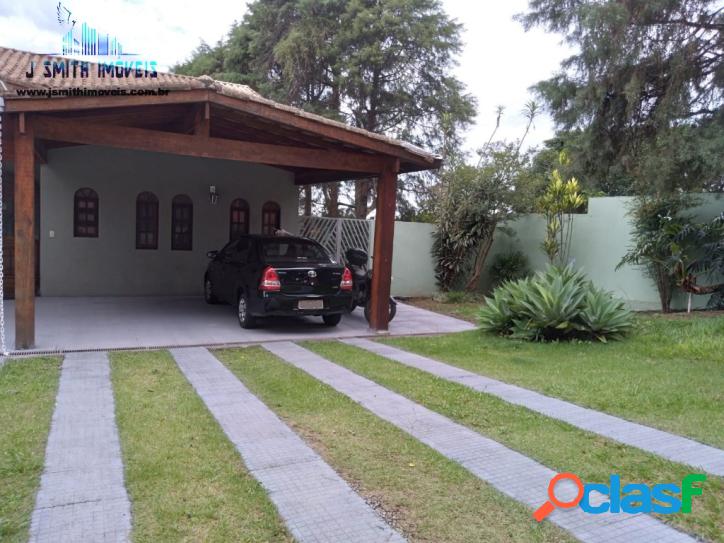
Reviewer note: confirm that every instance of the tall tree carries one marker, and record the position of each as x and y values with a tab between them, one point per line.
382	65
641	99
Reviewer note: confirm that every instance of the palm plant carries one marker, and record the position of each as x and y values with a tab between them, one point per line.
556	304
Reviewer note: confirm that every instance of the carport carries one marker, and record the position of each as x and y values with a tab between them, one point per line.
182	116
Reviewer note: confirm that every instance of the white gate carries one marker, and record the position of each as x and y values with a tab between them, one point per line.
337	235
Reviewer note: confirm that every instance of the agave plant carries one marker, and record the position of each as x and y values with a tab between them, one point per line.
558	303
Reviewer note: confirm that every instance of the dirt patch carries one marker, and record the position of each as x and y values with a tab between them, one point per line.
684	315
464	310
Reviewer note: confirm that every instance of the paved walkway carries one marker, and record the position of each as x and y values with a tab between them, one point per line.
76	324
316	503
82	496
512	473
664	444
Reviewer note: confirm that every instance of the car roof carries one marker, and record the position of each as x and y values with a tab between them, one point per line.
272	237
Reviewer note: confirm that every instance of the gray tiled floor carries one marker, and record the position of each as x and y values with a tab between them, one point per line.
82	497
316	503
670	446
68	324
512	473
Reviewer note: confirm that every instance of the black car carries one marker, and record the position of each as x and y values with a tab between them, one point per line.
278	276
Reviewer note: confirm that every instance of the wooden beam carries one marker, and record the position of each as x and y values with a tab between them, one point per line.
382	254
124	137
321	128
97	102
41	152
202	120
24	236
317	177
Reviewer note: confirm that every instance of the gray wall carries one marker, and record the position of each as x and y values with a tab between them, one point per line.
110	264
413	269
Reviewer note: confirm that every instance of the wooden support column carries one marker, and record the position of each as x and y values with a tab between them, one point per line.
384	234
24	234
202	120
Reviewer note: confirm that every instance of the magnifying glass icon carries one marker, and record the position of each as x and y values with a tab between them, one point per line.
547	508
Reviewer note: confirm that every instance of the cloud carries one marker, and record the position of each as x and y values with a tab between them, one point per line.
499	62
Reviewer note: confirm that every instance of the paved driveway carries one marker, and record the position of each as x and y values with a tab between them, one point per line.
67	324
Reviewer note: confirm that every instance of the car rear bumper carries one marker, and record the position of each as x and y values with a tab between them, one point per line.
286	305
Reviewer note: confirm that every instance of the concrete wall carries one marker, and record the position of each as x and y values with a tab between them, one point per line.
600	238
110	264
413	268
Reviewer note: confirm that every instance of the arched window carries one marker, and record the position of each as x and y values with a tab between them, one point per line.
146	221
182	223
270	218
238	219
85	213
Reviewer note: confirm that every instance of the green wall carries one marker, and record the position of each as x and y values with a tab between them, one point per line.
600	239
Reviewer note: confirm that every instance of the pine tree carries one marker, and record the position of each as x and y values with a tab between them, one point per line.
381	65
640	102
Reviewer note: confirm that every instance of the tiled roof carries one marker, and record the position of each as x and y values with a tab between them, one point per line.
14	65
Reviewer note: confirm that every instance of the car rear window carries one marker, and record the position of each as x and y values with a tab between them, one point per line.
294	250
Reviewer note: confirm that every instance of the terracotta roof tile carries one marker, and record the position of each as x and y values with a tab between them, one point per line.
15	63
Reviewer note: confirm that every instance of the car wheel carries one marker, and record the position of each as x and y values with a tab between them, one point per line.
209	292
332	320
242	312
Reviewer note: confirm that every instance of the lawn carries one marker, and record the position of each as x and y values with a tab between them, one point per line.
668	374
27	397
553	443
420	492
185	479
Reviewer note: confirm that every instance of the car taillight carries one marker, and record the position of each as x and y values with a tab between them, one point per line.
346	283
270	280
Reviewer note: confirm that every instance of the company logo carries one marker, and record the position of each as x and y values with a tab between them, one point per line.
665	498
85	43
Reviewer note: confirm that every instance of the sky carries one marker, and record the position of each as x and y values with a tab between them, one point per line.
499	63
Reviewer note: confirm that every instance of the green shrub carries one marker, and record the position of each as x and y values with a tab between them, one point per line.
556	304
509	267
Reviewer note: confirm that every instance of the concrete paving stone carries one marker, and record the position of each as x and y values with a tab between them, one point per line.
316	504
82	496
508	471
670	446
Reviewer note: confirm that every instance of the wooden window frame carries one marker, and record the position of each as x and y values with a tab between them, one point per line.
147	223
181	201
269	228
238	228
85	196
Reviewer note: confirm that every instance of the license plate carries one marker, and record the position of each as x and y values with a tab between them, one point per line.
310	304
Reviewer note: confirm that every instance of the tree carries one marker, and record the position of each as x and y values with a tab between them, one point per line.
382	65
475	201
657	223
640	102
698	252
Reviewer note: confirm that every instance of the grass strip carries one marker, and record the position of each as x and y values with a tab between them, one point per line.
553	443
27	397
669	374
420	492
186	481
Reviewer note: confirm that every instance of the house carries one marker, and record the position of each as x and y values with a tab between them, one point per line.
117	183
